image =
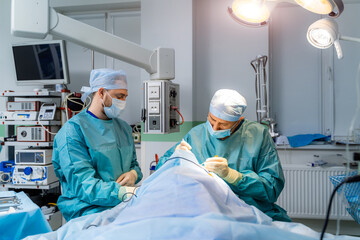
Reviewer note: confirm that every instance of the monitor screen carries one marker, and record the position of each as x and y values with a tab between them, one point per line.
41	63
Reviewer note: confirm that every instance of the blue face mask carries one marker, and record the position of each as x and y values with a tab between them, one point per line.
219	133
116	108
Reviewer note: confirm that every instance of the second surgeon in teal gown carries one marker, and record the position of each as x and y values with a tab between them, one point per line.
249	151
94	154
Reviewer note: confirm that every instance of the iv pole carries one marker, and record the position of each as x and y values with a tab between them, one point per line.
262	94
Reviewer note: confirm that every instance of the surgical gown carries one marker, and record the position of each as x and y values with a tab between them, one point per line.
251	151
89	155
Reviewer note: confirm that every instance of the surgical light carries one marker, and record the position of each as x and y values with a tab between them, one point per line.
332	7
256	13
324	33
250	12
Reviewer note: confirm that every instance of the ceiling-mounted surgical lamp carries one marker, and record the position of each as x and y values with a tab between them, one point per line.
256	13
324	33
331	7
252	13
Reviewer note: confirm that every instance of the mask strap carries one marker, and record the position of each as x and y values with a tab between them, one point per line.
109	96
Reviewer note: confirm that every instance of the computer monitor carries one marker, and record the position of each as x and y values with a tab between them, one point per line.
43	63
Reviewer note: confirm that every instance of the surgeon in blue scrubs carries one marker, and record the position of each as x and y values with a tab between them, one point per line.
94	154
239	151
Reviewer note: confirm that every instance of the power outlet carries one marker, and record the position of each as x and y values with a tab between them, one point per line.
154	92
154	107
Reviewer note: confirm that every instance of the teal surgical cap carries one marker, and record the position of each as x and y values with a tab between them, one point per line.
227	105
105	78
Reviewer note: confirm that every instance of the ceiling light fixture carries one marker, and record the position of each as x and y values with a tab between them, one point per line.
256	13
324	33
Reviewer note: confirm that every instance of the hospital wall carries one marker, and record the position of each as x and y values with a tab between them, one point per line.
312	90
212	52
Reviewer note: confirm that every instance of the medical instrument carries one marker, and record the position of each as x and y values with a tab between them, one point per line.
5	171
8	200
33	156
324	33
47	112
13	106
256	13
33	175
5	177
262	94
159	63
11	138
136	132
6	166
137	137
35	133
153	164
18	116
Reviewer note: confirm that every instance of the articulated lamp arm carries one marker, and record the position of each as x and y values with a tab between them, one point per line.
35	19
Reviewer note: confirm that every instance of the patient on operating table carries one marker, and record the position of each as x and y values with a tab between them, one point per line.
181	200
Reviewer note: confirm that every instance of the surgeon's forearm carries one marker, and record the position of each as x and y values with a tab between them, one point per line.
258	187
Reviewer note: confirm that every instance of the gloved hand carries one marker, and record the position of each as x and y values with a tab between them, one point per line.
126	192
183	146
220	166
128	178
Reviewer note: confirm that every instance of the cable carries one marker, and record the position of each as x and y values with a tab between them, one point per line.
353	179
132	194
182	122
71	99
152	163
136	128
173	158
177	110
52	133
42	124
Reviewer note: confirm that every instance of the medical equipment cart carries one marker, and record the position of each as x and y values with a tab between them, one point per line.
32	177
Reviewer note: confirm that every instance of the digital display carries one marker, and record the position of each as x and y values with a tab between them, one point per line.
26	157
38	62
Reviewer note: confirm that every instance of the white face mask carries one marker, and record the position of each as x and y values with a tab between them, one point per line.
116	108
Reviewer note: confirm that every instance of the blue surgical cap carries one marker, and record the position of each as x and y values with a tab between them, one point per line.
105	78
228	105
